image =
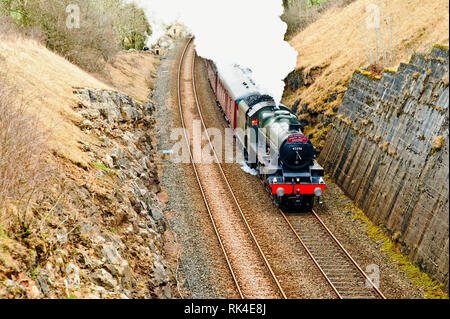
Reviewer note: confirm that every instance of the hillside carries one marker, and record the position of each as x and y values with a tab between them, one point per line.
48	81
133	73
317	86
95	229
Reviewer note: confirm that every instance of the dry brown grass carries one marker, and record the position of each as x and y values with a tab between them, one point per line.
7	26
38	191
132	73
105	28
48	80
336	43
438	143
23	171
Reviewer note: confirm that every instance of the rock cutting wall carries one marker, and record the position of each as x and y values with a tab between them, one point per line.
101	235
388	150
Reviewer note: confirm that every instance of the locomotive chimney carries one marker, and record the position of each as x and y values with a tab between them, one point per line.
295	127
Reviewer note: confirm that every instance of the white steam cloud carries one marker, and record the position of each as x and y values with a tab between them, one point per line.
245	32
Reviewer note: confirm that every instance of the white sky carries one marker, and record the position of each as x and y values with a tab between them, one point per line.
246	32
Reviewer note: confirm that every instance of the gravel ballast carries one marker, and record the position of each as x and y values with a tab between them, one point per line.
204	270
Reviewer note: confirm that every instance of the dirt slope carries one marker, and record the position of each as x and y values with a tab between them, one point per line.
48	81
133	73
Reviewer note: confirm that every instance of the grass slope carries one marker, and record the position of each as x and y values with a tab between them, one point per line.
337	44
47	81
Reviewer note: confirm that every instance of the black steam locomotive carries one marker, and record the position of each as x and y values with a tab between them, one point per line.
270	136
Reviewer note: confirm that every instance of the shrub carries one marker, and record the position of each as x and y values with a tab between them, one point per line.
6	25
437	144
105	27
298	14
132	27
23	173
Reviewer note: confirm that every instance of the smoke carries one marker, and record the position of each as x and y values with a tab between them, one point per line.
160	14
245	32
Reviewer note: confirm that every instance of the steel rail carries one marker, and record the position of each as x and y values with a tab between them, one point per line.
340	248
375	288
205	199
310	254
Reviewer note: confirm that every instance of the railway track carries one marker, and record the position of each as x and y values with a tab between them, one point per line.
341	272
339	269
252	275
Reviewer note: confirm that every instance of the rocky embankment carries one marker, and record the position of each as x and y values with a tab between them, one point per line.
388	150
100	236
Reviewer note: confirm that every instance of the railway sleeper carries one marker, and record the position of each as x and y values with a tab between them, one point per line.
345	274
352	288
326	251
322	248
322	255
338	283
347	277
316	237
341	284
349	281
333	259
334	262
353	291
322	245
336	270
359	297
340	266
325	255
357	293
348	286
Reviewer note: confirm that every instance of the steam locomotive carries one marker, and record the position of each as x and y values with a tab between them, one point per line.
270	137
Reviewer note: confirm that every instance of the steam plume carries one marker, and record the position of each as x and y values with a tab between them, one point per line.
245	32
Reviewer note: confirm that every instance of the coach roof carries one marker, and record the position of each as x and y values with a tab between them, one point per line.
238	81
